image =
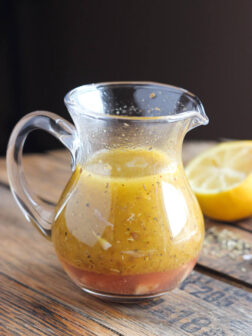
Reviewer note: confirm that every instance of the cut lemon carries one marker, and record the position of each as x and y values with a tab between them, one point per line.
221	178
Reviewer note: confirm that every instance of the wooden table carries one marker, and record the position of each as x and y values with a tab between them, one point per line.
37	298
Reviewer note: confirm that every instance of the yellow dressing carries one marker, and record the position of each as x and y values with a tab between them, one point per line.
128	212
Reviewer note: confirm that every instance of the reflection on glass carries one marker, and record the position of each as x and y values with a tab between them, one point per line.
176	208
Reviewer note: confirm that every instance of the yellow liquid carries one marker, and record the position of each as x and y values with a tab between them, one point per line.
128	213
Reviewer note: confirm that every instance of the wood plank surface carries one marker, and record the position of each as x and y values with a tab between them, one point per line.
37	298
223	255
47	175
41	300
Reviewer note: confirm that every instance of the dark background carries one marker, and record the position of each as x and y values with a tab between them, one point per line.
50	47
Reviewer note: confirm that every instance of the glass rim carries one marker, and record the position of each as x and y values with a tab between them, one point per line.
71	102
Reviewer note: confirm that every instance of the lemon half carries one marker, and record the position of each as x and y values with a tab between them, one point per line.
221	178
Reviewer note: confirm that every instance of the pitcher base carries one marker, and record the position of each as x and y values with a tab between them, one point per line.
128	288
122	298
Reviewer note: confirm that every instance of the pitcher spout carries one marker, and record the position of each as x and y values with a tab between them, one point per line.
197	119
190	108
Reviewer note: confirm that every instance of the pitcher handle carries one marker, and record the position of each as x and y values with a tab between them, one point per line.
36	210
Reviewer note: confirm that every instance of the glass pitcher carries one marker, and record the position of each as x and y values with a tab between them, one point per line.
127	226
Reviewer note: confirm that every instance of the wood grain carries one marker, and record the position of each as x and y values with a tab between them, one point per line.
37	298
47	174
245	224
219	258
25	311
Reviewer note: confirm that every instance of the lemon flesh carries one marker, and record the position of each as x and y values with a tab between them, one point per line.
221	178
